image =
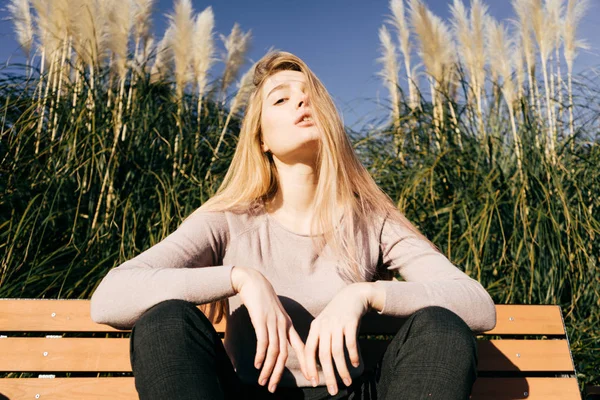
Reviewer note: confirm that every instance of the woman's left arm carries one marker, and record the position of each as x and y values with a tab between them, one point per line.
430	279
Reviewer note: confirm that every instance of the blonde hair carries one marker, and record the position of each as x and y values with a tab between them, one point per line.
343	182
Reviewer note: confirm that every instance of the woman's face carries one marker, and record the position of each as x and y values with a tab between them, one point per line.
284	102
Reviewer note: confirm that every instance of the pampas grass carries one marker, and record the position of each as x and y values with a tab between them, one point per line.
244	87
236	44
469	34
389	72
574	12
163	59
437	52
542	31
202	57
181	45
400	22
499	50
21	16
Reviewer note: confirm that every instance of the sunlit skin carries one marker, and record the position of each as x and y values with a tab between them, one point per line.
294	148
294	151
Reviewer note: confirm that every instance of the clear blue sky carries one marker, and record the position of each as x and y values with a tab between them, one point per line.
338	39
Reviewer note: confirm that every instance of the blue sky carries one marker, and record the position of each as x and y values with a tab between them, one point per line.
338	39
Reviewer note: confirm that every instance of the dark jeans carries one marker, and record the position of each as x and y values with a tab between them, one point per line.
177	354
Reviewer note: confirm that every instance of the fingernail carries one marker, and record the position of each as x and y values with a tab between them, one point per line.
262	383
272	389
313	381
347	381
331	390
355	364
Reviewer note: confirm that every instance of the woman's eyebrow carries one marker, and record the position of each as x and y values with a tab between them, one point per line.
281	86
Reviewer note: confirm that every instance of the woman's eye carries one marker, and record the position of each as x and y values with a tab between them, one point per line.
278	101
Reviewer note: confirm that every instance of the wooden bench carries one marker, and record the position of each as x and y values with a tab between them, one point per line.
527	355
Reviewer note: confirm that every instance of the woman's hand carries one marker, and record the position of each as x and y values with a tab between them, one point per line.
338	320
271	322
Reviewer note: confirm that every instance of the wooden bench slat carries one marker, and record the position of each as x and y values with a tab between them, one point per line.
500	355
72	315
51	315
526	388
124	388
64	355
112	354
69	388
523	319
524	355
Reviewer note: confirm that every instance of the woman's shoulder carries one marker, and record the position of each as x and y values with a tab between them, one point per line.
235	220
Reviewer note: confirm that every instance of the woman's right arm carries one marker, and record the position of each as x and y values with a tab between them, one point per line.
184	265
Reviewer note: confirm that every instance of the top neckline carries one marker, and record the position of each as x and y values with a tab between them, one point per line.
274	221
271	219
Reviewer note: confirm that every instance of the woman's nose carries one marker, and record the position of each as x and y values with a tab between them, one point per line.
303	100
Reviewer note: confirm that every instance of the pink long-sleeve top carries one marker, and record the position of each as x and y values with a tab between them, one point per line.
194	263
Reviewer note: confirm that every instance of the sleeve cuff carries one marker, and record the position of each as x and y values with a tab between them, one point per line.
199	290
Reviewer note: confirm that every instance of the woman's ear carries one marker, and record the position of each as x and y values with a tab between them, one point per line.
265	148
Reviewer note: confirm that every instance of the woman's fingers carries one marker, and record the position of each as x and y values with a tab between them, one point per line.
337	350
272	351
262	341
326	364
282	357
350	335
298	346
310	349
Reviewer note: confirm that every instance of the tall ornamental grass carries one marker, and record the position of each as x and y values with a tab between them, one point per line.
497	160
110	137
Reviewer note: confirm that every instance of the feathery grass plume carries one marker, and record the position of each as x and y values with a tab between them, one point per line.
48	41
517	60
523	24
437	52
399	21
144	56
141	14
245	87
90	27
119	24
574	12
47	47
540	23
163	58
469	34
204	48
499	50
237	45
202	57
555	10
21	16
119	19
61	26
181	44
389	73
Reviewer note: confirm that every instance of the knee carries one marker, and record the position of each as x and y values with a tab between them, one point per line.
438	326
169	317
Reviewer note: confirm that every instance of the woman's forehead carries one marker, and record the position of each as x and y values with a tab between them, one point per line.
281	78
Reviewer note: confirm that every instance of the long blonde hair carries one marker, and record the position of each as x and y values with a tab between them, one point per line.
343	182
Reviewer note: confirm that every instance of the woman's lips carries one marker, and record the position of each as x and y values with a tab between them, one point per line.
305	123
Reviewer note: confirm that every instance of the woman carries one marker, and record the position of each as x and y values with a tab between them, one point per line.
295	247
